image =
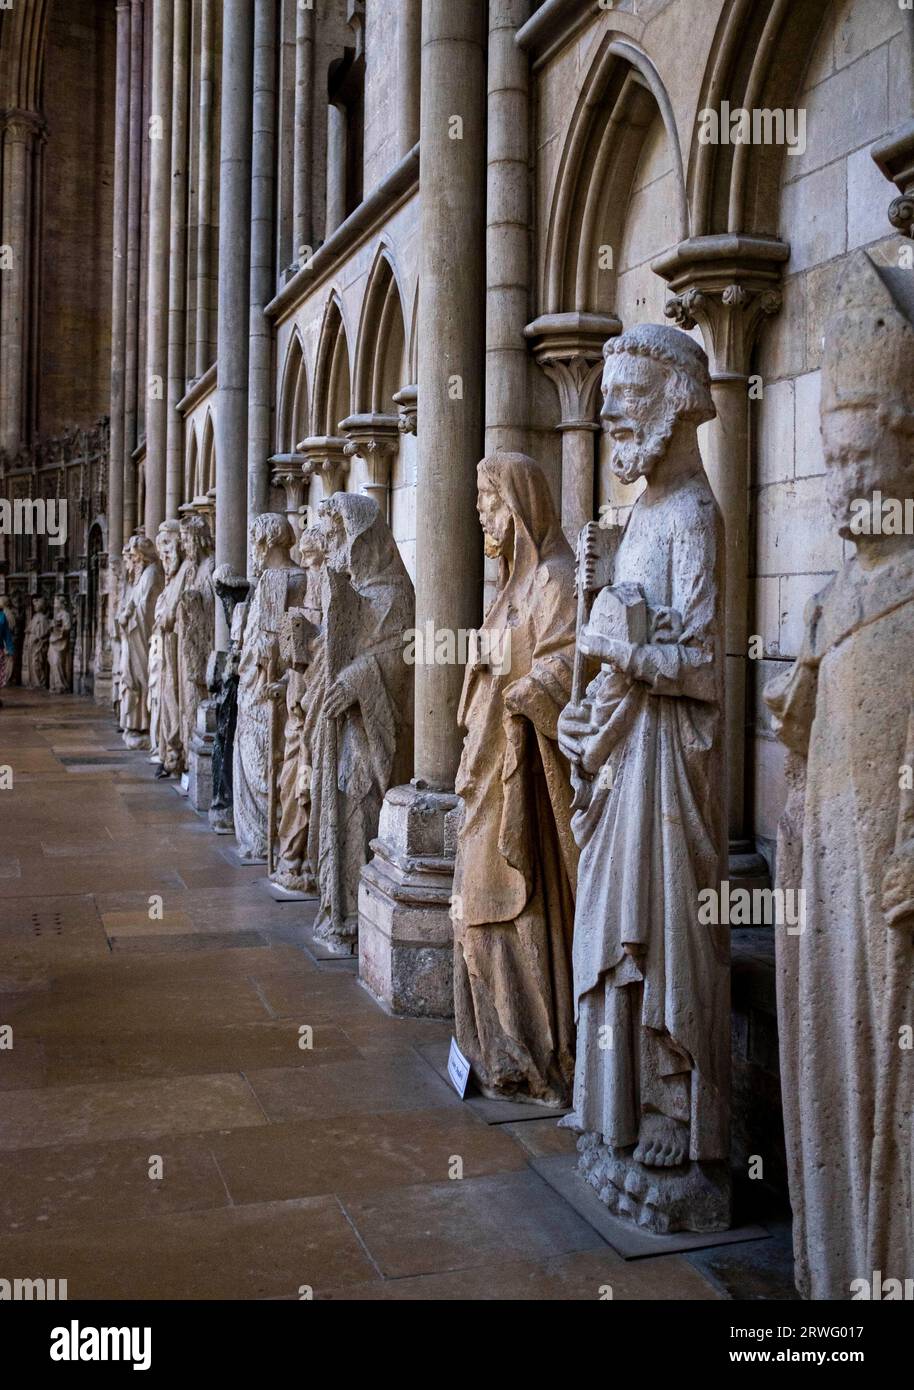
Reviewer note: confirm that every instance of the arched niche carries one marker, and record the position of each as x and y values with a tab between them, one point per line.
381	367
332	399
293	400
621	99
206	470
190	465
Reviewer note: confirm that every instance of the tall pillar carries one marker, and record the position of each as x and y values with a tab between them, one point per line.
20	132
177	262
728	285
409	56
132	385
205	152
234	297
569	348
336	169
116	451
159	137
507	229
405	932
303	133
263	281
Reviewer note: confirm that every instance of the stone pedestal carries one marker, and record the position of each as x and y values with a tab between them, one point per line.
200	757
405	931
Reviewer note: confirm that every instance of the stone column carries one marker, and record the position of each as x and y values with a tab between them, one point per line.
205	229
132	384
20	132
177	261
337	136
234	306
263	283
117	451
507	230
569	348
405	933
409	37
159	137
303	134
727	285
374	439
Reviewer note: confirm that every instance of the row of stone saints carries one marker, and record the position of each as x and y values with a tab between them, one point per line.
593	791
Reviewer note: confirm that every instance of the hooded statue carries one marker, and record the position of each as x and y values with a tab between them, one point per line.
362	744
845	710
280	585
514	880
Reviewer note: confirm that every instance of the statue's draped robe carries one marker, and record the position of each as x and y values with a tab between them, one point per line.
846	982
195	627
168	720
60	662
35	653
277	589
652	837
368	749
136	621
303	698
7	647
516	860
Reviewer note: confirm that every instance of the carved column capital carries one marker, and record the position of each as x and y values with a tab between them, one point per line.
895	157
374	439
407	399
22	126
569	348
324	456
726	285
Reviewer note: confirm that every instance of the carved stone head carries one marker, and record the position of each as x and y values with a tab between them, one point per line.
196	538
272	539
867	410
168	545
654	378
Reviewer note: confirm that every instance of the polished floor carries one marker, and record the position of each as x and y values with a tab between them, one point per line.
162	1132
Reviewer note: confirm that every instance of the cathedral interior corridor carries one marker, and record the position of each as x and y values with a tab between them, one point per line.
456	673
178	1038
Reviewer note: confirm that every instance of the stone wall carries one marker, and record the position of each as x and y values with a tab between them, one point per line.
75	349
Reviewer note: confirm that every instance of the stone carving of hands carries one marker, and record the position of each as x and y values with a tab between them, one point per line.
611	650
666	625
575	728
338	698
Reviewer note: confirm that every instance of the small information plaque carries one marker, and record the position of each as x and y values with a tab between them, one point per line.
458	1069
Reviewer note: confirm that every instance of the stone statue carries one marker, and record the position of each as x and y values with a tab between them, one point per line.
60	655
362	742
35	651
7	640
165	713
651	979
135	618
845	710
280	586
195	625
303	686
222	683
514	880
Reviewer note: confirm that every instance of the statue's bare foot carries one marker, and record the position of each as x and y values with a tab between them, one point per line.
662	1142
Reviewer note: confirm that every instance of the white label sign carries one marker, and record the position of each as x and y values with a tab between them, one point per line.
458	1069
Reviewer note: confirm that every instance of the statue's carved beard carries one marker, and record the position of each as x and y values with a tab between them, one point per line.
635	458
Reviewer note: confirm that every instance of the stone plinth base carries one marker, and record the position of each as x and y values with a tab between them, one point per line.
690	1197
405	931
200	758
103	689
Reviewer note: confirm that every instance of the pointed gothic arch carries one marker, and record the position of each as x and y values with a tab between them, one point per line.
381	364
332	399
